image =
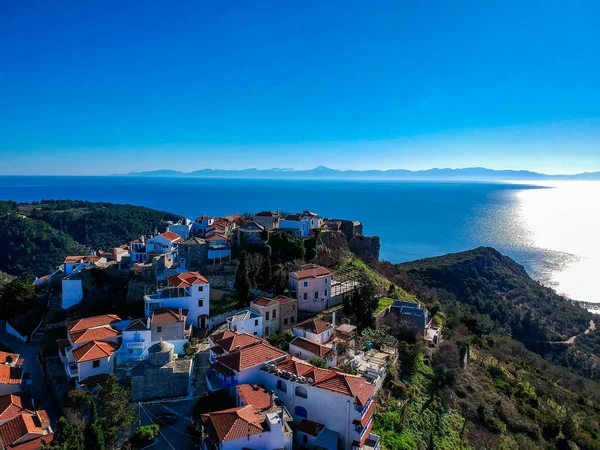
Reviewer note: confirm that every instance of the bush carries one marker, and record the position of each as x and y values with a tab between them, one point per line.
144	435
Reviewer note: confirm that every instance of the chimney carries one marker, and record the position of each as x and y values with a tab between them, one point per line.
272	399
180	315
333	318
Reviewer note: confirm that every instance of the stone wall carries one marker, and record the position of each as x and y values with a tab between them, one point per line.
220	275
365	247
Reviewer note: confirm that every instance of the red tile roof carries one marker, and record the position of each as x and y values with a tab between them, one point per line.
90	322
171	236
267	214
310	273
10	375
217	237
94	350
309	427
255	395
366	416
203	218
93	334
8	358
250	356
314	326
18	427
332	380
168	315
316	349
232	424
265	301
186	279
85	259
11	405
230	340
34	444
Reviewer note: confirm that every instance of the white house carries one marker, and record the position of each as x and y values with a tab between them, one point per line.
244	427
315	220
201	224
163	243
314	330
246	321
93	359
341	403
311	287
137	250
306	350
73	264
298	222
187	290
72	290
136	340
183	229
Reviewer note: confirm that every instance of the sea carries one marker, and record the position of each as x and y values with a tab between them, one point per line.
550	228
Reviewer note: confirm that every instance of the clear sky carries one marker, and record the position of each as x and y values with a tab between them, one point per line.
119	86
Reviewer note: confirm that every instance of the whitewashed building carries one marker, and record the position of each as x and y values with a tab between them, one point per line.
314	330
163	243
296	222
182	229
246	321
201	224
306	350
187	290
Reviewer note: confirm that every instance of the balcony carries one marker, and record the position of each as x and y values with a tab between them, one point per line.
72	370
372	442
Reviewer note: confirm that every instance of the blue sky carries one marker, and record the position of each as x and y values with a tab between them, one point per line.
121	86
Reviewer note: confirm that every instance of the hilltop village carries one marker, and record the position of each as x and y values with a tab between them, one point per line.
295	371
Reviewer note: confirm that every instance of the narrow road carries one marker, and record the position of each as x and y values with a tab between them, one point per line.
572	339
31	365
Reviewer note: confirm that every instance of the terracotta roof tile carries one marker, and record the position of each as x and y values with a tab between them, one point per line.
255	395
168	315
186	279
18	427
94	350
171	236
11	405
312	347
93	334
34	444
250	356
314	326
10	375
8	358
230	340
90	322
232	424
310	273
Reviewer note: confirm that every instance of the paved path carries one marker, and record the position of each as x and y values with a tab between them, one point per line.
31	364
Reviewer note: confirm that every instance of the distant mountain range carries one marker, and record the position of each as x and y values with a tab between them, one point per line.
322	172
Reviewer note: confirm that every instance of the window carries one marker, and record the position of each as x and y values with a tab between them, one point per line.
200	288
267	331
200	303
300	411
281	386
301	392
256	323
256	333
159	329
306	284
305	296
325	293
285	321
274	314
96	364
326	280
316	294
267	315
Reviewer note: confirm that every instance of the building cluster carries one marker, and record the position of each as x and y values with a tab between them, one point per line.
282	399
23	421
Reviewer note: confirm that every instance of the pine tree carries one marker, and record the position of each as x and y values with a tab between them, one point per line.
92	435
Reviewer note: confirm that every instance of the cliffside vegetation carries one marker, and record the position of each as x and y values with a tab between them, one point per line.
40	235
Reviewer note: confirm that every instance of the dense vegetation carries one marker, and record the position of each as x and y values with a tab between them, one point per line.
40	235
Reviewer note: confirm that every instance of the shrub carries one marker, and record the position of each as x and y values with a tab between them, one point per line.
144	436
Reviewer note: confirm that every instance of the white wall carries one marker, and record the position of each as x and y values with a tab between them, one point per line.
129	336
267	441
183	231
10	330
251	326
322	285
188	302
319	338
305	355
72	293
86	369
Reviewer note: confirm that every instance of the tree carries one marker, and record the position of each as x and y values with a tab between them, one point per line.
318	362
363	302
117	415
144	435
66	437
93	436
242	280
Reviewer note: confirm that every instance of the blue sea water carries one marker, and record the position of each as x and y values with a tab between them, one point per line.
414	219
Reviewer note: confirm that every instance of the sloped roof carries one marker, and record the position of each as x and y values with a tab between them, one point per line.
351	385
254	395
85	259
10	375
94	350
314	326
251	226
11	405
4	357
186	279
137	325
245	314
310	273
90	322
93	334
168	315
18	427
232	424
229	340
250	356
312	347
174	237
266	214
265	301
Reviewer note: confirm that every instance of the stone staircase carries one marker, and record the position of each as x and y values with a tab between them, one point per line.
54	305
202	364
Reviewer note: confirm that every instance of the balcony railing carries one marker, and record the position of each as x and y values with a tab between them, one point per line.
72	370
